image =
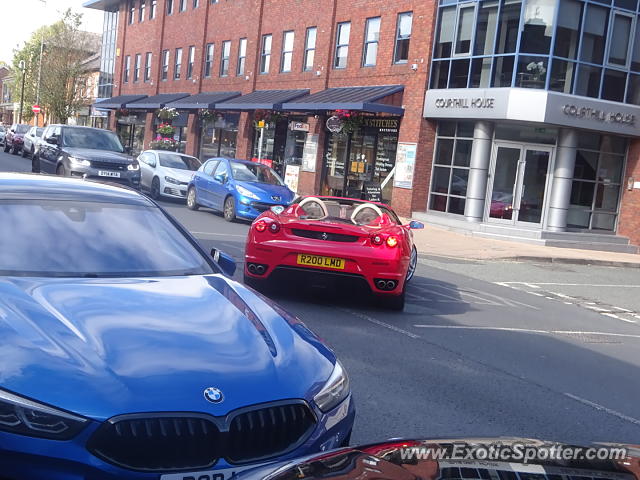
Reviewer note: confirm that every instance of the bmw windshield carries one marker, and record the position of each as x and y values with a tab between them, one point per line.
255	173
93	240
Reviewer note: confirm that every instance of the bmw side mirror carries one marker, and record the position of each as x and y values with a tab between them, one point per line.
226	263
415	225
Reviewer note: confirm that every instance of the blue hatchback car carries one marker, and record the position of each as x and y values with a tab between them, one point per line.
126	352
237	188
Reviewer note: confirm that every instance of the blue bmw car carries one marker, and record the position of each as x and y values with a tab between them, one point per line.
237	188
126	352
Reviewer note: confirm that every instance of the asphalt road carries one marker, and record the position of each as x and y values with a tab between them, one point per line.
482	349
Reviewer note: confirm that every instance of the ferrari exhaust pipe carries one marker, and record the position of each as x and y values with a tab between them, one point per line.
391	285
252	268
259	269
381	284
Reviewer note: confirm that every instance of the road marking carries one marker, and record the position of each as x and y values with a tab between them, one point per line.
379	323
528	330
505	284
602	408
623	309
218	234
485	298
596	308
613	315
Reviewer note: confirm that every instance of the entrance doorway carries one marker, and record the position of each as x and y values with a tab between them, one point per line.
517	191
132	136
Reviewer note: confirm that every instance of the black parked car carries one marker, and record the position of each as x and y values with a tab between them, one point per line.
86	153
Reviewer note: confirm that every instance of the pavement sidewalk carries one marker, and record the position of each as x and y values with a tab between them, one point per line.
433	241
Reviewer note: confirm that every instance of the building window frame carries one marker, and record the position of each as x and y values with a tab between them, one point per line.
610	36
177	64
169	7
310	48
136	67
147	66
141	10
286	57
208	60
132	12
242	57
191	61
126	71
225	58
152	9
265	53
369	43
342	45
196	4
402	38
166	58
182	6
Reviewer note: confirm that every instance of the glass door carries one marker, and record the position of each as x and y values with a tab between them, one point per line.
518	190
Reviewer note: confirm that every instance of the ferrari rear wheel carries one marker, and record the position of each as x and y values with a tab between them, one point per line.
413	264
393	302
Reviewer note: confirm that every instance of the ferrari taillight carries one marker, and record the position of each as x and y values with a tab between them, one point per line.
392	241
377	240
261	226
274	227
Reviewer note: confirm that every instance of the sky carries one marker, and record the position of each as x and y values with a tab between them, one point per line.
29	15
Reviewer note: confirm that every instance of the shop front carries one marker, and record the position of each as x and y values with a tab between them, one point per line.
130	128
509	160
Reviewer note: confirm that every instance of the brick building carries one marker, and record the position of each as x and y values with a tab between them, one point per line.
504	118
6	102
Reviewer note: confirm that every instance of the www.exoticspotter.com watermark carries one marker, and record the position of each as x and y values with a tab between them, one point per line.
513	452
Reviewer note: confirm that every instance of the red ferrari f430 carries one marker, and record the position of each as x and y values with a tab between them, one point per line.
343	239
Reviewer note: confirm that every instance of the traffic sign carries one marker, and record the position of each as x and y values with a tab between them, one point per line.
36	109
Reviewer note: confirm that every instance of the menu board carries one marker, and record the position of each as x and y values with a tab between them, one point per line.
372	192
291	177
310	153
405	165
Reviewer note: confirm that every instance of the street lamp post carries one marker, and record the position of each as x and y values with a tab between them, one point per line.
40	67
23	66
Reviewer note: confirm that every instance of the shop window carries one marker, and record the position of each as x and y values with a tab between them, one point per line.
508	26
136	68
342	45
459	75
287	51
594	34
310	48
147	66
165	64
532	72
242	56
141	10
480	72
190	63
486	28
218	136
464	31
439	74
371	41
208	60
613	85
620	40
562	75
177	64
265	54
568	29
127	69
225	59
502	71
446	29
152	9
403	37
538	26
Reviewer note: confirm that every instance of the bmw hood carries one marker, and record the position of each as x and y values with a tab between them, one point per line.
266	192
98	155
105	347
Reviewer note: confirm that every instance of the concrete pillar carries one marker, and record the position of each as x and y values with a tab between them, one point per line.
562	180
479	171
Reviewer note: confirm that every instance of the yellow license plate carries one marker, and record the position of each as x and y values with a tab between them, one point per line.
319	261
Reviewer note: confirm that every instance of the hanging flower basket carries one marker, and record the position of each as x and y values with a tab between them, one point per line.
164	143
166	113
122	112
351	121
165	129
206	115
269	117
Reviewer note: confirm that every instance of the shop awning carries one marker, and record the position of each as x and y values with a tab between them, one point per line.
156	101
365	99
203	100
108	5
119	101
262	100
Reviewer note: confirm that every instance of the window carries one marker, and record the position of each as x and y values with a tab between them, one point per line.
136	68
594	34
152	9
169	7
177	64
446	29
538	26
165	64
508	25
342	45
465	30
183	6
192	58
568	30
225	60
287	51
451	167
371	41
222	171
147	67
310	48
242	56
486	28
196	3
127	69
265	55
143	6
132	12
208	60
403	38
620	41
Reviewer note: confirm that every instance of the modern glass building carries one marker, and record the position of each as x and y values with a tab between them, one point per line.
536	103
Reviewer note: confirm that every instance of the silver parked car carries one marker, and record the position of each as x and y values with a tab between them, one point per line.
32	142
166	174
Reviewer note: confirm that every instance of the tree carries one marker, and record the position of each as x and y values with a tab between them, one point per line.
65	49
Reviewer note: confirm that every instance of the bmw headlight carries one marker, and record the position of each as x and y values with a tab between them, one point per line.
133	166
172	180
80	161
335	390
247	193
26	417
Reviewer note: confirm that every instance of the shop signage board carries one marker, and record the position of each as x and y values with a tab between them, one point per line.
335	124
405	165
372	192
292	176
298	127
310	153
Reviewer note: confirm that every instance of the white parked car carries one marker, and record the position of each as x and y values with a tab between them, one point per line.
166	174
32	141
